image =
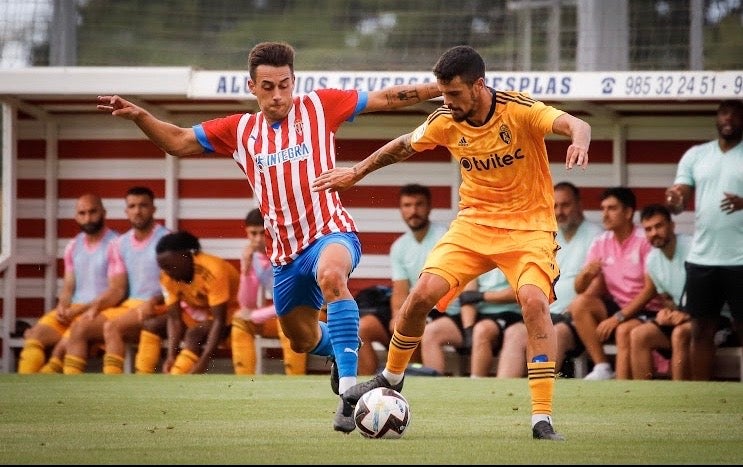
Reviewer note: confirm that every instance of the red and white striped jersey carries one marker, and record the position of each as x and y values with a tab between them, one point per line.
282	160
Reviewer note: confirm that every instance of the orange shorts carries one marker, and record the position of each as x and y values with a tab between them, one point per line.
468	250
50	319
127	305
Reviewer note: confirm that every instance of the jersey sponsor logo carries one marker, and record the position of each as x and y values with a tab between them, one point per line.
490	162
294	153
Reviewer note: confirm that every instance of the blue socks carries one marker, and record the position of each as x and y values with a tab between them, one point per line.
343	324
323	348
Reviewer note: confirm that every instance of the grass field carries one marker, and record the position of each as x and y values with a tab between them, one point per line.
275	419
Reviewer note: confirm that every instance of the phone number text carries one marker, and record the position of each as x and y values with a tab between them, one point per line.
683	85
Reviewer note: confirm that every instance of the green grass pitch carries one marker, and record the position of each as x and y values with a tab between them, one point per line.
275	419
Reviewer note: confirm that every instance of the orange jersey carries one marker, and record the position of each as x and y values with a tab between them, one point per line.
506	180
215	281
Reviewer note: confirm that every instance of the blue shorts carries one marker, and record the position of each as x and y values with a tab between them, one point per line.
295	284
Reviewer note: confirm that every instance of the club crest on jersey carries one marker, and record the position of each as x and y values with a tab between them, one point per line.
505	134
298	127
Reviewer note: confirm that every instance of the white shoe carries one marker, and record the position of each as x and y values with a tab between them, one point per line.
600	372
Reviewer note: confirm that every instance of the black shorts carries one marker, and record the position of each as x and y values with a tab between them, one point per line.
708	288
503	319
612	307
568	320
435	314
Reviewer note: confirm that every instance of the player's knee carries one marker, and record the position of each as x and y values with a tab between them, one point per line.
332	279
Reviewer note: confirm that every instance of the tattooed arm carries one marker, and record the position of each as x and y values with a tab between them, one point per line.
342	178
402	95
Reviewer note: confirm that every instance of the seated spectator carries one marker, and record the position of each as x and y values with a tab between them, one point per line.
200	293
493	308
133	286
616	259
574	235
86	268
407	255
443	329
375	315
669	332
257	314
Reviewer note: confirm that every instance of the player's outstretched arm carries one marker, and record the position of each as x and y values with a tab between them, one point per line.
170	138
580	134
342	178
402	95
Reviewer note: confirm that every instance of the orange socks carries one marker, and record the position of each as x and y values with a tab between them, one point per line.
400	352
541	385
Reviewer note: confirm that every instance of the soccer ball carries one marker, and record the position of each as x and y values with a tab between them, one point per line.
382	413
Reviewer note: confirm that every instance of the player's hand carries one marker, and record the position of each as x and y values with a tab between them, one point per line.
605	328
675	199
337	179
63	315
731	203
663	317
119	107
678	317
576	155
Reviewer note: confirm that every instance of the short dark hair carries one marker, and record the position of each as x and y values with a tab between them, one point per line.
462	61
625	196
276	54
412	189
140	191
570	187
178	241
731	104
653	210
254	218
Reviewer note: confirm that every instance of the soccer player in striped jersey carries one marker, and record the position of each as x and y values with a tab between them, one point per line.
310	237
506	214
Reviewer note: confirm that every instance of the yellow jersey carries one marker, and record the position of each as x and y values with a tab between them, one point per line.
506	179
215	281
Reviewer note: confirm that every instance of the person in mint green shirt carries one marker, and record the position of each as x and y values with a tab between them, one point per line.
575	234
713	173
407	256
670	331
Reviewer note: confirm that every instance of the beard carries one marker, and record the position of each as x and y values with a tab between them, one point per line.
732	137
659	242
417	228
92	228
